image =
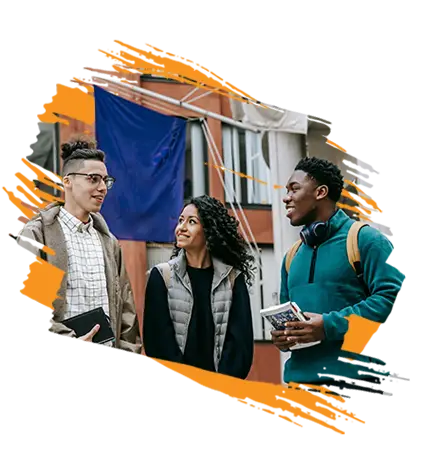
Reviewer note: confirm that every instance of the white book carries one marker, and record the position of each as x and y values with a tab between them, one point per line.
278	315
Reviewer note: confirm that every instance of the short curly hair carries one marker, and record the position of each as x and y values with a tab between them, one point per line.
325	173
222	237
75	152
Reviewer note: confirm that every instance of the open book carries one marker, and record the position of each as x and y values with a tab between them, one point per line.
278	315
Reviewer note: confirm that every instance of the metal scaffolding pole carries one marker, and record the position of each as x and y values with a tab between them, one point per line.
184	105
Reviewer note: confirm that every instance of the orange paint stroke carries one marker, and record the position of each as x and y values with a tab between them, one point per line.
355	210
335	145
359	333
351	197
43	281
242	175
42	177
46	198
26	187
371	202
48	250
121	69
351	183
20	204
271	395
169	64
70	102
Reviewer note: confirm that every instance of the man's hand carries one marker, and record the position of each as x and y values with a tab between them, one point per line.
89	336
306	332
280	340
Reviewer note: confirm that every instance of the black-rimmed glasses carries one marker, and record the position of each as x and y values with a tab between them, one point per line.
95	179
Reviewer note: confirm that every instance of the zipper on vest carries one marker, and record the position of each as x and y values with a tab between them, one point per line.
313	262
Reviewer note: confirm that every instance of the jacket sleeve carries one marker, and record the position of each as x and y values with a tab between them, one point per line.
382	280
130	339
237	356
33	230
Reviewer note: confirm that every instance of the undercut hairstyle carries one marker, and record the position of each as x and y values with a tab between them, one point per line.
222	237
75	153
324	173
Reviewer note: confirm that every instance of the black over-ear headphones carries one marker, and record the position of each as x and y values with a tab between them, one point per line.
315	233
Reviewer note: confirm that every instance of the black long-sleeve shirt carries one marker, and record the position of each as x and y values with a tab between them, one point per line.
159	336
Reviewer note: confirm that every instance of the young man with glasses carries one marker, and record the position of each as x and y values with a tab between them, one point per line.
85	249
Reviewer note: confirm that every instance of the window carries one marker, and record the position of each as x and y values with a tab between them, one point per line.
195	183
243	154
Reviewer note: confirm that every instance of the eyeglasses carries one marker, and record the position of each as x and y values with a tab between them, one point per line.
95	179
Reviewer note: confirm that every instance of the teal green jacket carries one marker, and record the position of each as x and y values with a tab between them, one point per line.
322	281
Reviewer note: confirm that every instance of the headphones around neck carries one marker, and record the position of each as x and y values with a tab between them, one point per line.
314	234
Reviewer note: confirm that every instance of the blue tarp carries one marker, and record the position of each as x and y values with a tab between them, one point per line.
145	152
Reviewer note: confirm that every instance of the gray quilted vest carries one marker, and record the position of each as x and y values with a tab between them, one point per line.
180	300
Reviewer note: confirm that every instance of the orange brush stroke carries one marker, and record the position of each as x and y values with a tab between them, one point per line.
42	273
267	394
46	198
42	177
20	204
242	175
26	187
351	183
335	145
359	333
371	202
70	102
48	250
170	64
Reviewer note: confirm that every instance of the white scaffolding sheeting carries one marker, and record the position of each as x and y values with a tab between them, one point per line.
269	117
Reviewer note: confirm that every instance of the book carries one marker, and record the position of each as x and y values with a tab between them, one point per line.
278	315
83	323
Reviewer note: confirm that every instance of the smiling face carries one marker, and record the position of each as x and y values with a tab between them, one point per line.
83	193
303	198
189	231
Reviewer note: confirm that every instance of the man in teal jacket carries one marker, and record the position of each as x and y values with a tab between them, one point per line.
321	280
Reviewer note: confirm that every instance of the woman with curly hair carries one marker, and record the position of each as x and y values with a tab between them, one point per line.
197	307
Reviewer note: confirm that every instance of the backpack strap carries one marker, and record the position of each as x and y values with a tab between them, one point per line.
353	252
291	253
164	268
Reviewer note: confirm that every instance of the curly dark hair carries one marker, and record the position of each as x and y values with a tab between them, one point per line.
79	150
324	173
222	236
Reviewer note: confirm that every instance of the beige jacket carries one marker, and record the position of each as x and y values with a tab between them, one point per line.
46	229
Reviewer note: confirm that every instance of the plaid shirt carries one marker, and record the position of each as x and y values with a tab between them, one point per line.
86	280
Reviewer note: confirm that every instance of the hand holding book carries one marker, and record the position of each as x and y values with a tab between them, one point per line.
90	335
309	331
293	330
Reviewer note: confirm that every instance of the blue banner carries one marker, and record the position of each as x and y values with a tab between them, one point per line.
145	153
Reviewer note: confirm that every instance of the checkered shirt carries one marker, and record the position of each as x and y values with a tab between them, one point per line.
86	280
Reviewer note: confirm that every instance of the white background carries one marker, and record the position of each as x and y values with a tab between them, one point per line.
70	407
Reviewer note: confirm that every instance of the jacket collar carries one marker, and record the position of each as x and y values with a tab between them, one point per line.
50	213
221	270
337	221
